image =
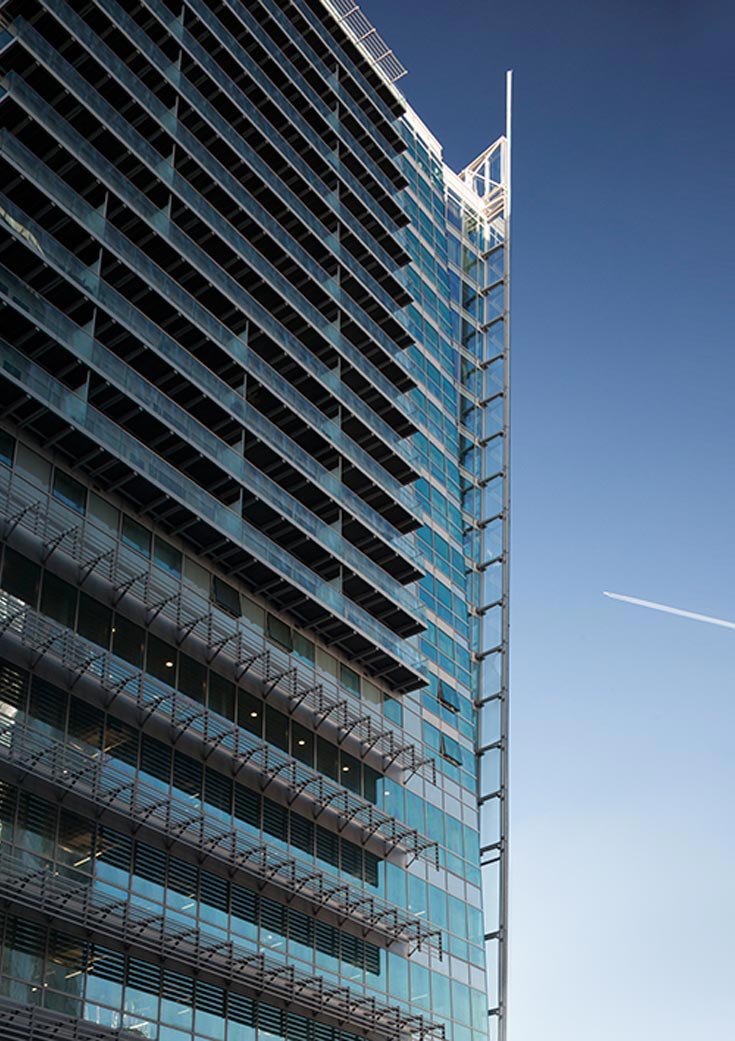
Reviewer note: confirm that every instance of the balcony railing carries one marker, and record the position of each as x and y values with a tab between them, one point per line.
238	647
146	698
30	1023
74	904
103	787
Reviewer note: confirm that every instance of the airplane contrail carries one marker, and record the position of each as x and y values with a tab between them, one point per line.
670	610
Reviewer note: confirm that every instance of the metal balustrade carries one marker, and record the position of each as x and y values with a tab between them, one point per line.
109	792
239	647
146	696
75	905
30	1023
195	434
40	49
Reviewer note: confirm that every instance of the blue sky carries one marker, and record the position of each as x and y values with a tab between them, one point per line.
623	772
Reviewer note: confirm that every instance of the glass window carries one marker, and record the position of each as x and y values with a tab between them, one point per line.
276	728
415	808
458	917
441	993
192	678
350	773
451	749
197	575
455	289
303	648
135	535
221	695
21	577
7	448
438	906
94	621
448	697
226	596
418	897
398	973
371	779
103	512
454	834
33	464
371	693
167	556
279	632
454	210
58	600
432	736
128	640
327	759
460	1002
349	680
302	744
453	249
69	491
393	710
250	712
161	660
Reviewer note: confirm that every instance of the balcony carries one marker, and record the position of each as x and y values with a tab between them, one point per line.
72	904
238	648
101	788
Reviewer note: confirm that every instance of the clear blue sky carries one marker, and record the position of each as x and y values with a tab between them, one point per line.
623	855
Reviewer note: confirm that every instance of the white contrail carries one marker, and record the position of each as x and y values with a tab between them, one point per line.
671	610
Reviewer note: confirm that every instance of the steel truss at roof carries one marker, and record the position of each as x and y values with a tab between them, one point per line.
236	647
74	905
364	33
108	793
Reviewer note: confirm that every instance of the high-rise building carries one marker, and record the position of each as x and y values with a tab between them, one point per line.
254	520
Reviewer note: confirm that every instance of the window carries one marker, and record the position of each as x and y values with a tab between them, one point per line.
192	678
349	680
276	728
33	465
302	744
451	750
136	536
7	448
279	632
250	712
128	641
303	648
393	710
21	577
350	773
161	660
58	600
226	596
94	621
104	513
327	759
448	697
221	695
69	491
167	556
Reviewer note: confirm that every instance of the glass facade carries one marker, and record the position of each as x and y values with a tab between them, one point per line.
254	517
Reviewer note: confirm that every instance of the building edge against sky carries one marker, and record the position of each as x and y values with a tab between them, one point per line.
255	501
483	190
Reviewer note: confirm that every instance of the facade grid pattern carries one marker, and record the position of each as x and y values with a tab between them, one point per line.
254	534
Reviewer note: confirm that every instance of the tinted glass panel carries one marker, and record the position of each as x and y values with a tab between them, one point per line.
69	491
